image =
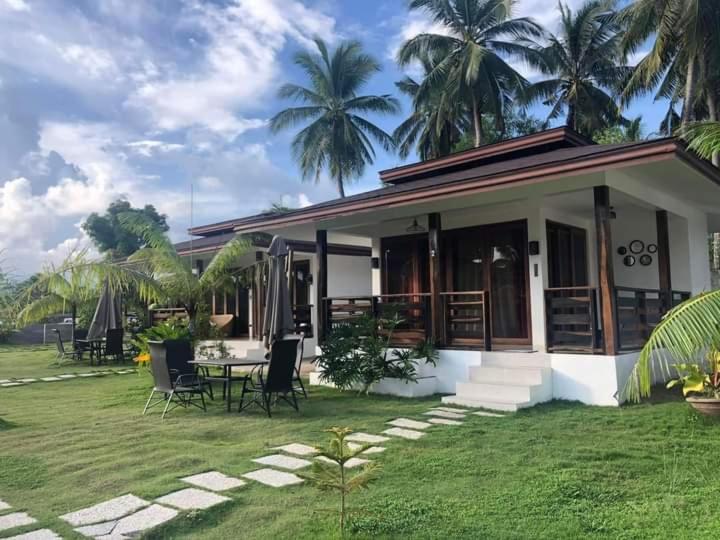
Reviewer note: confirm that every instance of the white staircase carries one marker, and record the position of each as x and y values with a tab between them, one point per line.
505	381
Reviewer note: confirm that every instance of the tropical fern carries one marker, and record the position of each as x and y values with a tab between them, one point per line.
683	335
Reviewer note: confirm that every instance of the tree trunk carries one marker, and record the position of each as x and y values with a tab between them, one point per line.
687	113
477	121
74	316
712	117
340	186
571	117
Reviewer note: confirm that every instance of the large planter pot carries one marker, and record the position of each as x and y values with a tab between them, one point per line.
707	406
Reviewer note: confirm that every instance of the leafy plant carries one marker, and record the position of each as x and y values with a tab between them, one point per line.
334	476
694	378
360	354
171	328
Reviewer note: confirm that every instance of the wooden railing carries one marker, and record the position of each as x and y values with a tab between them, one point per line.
678	297
571	319
638	313
466	319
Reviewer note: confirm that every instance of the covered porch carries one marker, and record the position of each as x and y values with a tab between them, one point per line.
582	265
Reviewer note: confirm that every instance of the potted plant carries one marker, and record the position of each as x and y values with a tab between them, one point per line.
701	381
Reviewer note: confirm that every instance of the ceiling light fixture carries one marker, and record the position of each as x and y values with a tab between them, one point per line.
415	227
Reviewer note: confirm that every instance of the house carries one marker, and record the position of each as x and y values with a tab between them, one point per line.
538	265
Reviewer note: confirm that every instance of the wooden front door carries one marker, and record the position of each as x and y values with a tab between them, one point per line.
493	258
567	255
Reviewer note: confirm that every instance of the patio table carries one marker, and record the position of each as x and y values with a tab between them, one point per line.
94	346
227	364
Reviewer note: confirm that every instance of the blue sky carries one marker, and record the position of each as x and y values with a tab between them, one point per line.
101	99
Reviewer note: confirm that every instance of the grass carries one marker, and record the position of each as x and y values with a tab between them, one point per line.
36	361
560	470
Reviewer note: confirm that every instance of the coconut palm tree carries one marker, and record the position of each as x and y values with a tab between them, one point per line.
685	51
78	279
172	275
338	137
472	68
584	63
436	124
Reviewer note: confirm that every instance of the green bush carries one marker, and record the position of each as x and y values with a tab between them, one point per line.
360	354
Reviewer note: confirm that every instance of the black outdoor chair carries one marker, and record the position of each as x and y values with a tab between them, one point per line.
64	354
297	379
277	382
181	391
115	345
80	340
178	354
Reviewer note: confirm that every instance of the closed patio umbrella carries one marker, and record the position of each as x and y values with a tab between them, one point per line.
107	314
278	319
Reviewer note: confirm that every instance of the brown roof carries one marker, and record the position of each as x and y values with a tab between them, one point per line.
491	176
533	144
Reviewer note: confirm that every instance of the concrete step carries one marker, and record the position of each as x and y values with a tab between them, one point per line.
509	375
485	404
515	359
496	392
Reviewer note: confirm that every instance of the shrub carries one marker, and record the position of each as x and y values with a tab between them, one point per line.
360	354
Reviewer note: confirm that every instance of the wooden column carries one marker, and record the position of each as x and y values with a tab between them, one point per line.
321	280
663	259
606	275
437	328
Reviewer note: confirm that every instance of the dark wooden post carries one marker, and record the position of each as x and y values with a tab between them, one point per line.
606	275
437	330
663	258
321	280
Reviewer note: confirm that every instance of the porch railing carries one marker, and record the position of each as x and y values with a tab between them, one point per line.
638	312
413	309
571	319
466	319
302	317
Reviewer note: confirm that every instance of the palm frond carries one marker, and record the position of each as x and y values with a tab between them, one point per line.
225	259
684	333
703	138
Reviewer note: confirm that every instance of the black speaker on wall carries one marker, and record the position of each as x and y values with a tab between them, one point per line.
375	262
534	247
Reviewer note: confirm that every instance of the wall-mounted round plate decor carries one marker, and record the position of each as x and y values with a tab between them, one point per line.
652	248
645	260
629	260
637	246
622	250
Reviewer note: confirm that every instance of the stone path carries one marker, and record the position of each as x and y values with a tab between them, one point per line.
349	464
16	519
444	414
366	438
410	424
271	477
284	462
298	449
40	534
9	383
404	433
445	422
370	450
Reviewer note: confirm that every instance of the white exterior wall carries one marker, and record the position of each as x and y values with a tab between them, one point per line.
349	276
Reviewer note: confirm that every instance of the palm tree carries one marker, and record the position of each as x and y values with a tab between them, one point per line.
472	68
172	275
338	136
75	281
436	124
584	62
685	51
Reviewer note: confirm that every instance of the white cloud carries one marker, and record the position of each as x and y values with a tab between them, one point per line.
239	65
96	63
149	147
16	5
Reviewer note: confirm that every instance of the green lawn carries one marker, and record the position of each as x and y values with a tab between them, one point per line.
557	471
36	361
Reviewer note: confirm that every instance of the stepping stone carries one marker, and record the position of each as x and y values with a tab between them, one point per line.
366	438
50	379
100	529
349	464
451	409
407	423
404	433
67	376
16	519
89	374
144	520
3	381
271	477
26	381
214	481
492	414
40	534
9	384
298	449
105	511
192	499
371	450
284	462
445	422
445	414
4	505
